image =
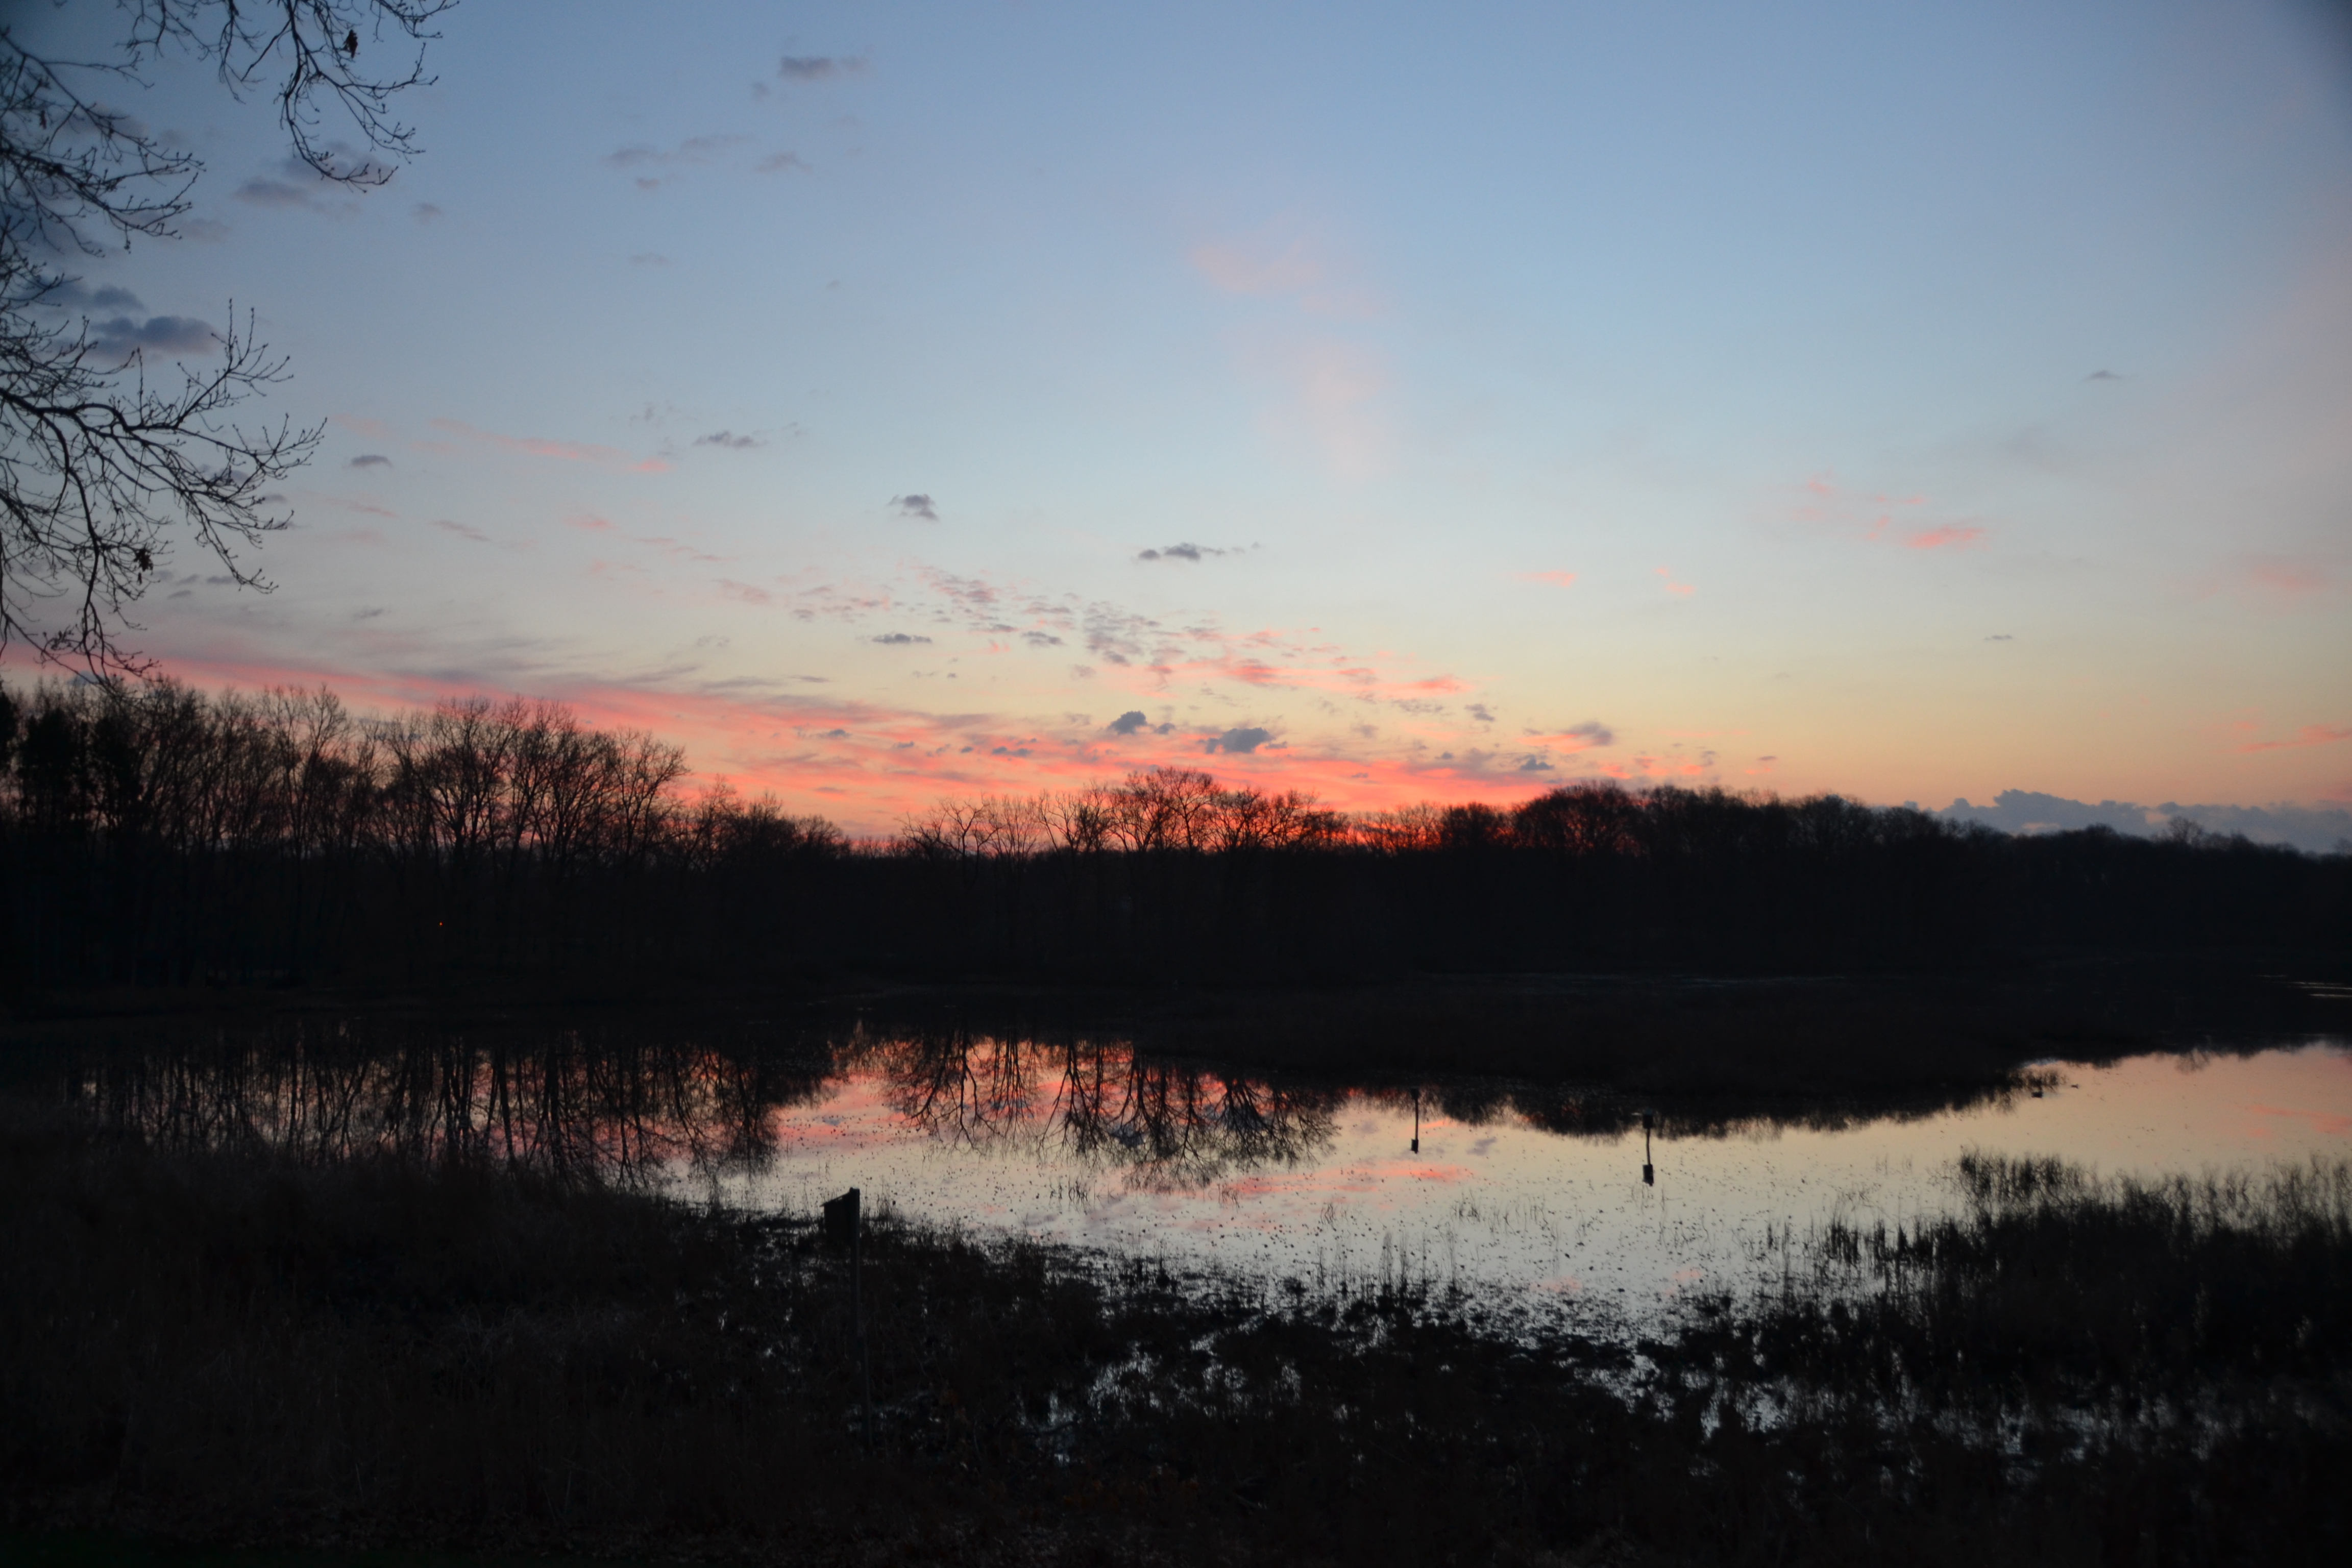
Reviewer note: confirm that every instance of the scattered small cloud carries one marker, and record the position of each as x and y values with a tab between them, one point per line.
1181	553
693	150
294	183
266	192
834	735
71	295
463	531
777	163
1041	640
2105	376
2000	637
425	212
1556	579
1585	737
370	460
1481	713
124	335
898	639
1680	590
203	230
822	68
916	506
1241	742
729	441
1128	722
1535	763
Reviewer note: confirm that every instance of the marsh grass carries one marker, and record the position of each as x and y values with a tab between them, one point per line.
233	1346
2207	1301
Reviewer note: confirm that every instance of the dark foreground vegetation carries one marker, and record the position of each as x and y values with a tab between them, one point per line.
232	1344
151	835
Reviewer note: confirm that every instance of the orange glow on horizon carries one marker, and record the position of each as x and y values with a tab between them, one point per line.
866	767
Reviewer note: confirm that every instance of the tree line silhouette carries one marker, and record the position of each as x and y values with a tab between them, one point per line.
151	834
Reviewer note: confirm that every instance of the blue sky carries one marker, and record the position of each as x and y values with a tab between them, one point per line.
1910	401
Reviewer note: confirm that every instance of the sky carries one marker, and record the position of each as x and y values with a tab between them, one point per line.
1910	401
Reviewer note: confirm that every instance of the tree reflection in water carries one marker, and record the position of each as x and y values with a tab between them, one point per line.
634	1101
1165	1125
618	1104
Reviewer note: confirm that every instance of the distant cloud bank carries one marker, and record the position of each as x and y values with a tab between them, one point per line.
2318	829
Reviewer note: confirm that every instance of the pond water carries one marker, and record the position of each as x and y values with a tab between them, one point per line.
1502	1202
1539	1202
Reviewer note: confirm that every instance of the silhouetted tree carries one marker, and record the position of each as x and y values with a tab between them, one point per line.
101	459
149	832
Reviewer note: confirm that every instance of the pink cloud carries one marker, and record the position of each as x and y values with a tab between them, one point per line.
2309	735
1237	272
589	522
563	451
2292	581
1556	579
1681	590
1280	269
1950	537
1821	500
1328	397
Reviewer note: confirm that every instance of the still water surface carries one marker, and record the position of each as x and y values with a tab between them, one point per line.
1533	1200
1527	1217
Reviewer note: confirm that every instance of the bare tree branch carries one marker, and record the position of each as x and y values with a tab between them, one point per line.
101	467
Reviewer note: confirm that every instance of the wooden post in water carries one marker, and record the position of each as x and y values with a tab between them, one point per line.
846	1221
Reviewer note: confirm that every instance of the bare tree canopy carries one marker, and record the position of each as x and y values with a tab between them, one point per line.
102	456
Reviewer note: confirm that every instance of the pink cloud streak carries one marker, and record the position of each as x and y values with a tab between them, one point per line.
2309	735
564	451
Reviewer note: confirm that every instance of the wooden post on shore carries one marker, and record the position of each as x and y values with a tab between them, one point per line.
1416	1121
1649	1172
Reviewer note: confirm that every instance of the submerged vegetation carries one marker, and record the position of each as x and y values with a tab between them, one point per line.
150	835
241	1343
